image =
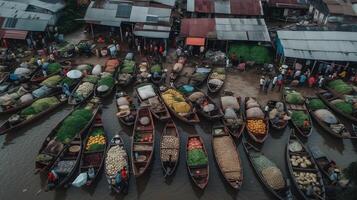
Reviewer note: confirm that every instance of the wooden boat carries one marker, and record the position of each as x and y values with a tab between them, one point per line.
38	76
236	128
51	148
156	104
169	150
8	126
190	117
143	142
142	72
103	94
93	159
66	164
294	171
125	79
159	78
198	173
199	103
215	75
281	124
74	99
4	76
125	117
294	107
229	162
117	142
282	193
326	127
203	73
176	71
327	97
324	163
261	137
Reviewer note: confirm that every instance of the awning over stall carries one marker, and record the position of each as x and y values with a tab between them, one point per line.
195	41
13	34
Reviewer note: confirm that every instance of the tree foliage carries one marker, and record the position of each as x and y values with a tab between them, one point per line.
69	20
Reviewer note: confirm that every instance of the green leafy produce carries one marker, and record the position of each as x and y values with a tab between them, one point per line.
316	104
196	157
128	66
298	117
52	81
73	124
95	147
108	81
294	97
97	131
40	105
53	68
91	78
68	81
155	68
344	107
340	86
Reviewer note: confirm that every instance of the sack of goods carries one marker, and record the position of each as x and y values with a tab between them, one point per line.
230	114
326	116
255	112
176	101
146	92
217	82
195	96
177	67
97	70
230	102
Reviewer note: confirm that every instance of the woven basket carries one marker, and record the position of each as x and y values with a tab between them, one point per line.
274	177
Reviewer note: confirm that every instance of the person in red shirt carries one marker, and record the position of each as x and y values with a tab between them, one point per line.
124	175
312	81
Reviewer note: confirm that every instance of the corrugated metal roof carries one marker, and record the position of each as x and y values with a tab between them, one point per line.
190	5
234	7
51	5
152	34
204	6
319	45
288	3
246	7
28	25
123	10
199	27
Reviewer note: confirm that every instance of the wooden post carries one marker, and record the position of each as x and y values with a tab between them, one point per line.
121	33
91	28
313	66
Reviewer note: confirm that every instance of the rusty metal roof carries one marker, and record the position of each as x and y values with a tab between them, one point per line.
288	3
233	7
246	7
204	6
202	27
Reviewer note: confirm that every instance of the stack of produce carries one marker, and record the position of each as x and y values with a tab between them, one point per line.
176	101
64	166
115	160
85	89
343	106
300	161
39	106
111	65
315	104
306	179
155	68
90	78
96	140
107	81
200	74
68	81
10	98
298	118
53	68
195	155
270	172
217	77
169	147
128	66
340	86
294	97
52	81
257	126
73	124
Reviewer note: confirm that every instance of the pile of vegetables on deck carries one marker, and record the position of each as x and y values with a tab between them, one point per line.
340	86
257	127
217	77
294	97
68	81
73	124
96	140
343	106
195	154
200	74
128	67
315	104
298	118
107	81
155	68
39	106
169	147
87	86
53	68
176	101
115	160
52	81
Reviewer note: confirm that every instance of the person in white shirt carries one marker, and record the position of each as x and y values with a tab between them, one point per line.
275	80
261	83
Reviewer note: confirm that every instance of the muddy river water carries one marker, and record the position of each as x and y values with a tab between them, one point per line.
18	151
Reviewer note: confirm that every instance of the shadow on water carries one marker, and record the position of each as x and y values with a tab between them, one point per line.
60	194
142	181
277	134
331	141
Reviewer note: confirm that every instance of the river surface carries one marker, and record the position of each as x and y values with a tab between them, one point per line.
19	149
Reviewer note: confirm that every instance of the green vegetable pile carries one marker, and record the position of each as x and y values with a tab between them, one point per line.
259	54
67	81
298	117
53	68
199	76
52	81
155	68
344	107
128	67
73	124
294	97
39	106
219	70
196	157
91	78
107	80
315	104
340	86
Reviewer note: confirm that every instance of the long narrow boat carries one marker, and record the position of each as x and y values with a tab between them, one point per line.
328	97
270	176
278	122
75	98
199	172
257	134
297	108
227	156
169	148
116	161
147	95
200	75
93	154
39	76
143	142
216	79
202	101
51	147
340	132
66	164
4	76
234	122
177	69
23	119
190	117
126	108
303	169
126	73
